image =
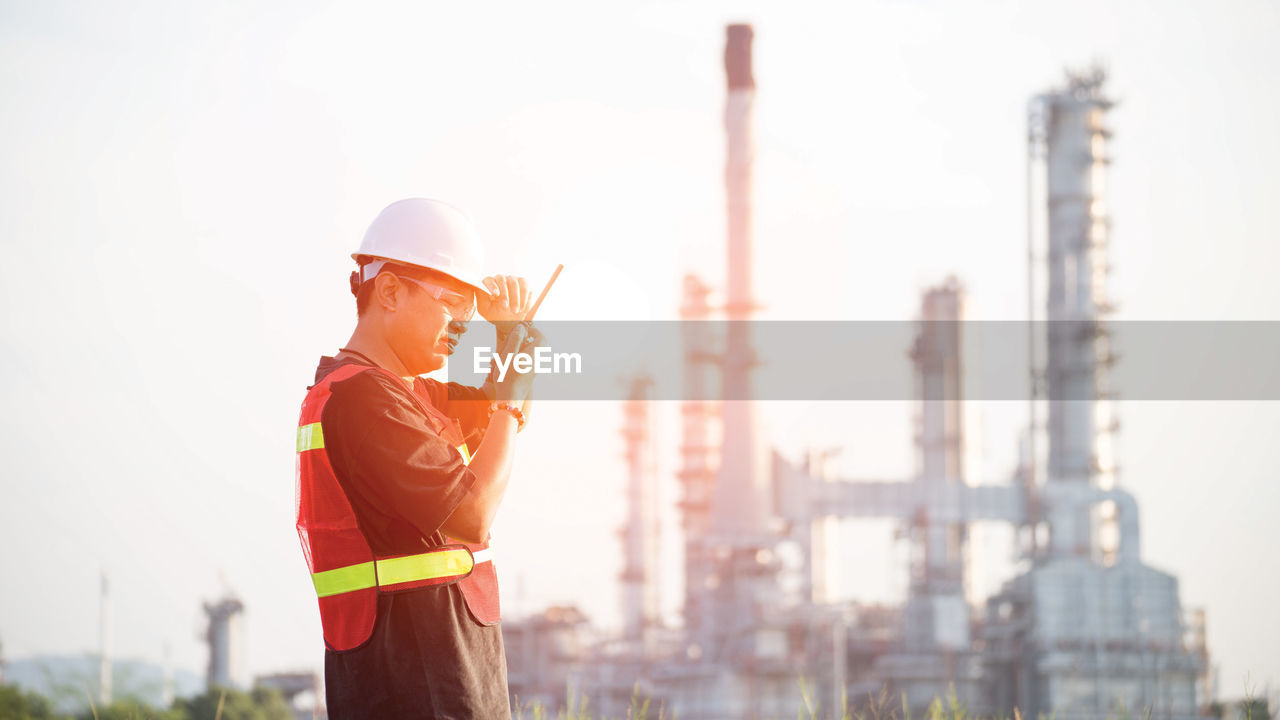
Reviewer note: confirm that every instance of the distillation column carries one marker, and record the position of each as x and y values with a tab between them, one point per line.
698	456
937	611
1081	420
640	533
1090	629
936	653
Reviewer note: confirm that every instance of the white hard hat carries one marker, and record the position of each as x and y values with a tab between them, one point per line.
425	233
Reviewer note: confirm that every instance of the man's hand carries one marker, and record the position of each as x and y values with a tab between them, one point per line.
508	300
516	386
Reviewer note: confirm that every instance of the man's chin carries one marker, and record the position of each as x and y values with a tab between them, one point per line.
432	362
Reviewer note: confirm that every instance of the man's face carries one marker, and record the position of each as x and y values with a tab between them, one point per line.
425	329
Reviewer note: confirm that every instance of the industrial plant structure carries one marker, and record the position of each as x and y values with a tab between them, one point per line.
1084	630
223	635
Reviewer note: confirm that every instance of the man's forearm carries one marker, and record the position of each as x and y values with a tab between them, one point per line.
491	465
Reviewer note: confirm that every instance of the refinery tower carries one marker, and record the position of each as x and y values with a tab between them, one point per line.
1090	628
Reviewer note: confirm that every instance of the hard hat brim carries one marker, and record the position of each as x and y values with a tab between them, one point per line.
469	279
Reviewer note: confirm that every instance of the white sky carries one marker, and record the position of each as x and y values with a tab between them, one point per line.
182	187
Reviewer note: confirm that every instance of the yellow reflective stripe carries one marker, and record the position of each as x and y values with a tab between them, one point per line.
392	571
424	567
466	454
310	437
344	579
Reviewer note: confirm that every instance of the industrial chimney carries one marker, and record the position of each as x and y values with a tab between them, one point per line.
104	643
740	507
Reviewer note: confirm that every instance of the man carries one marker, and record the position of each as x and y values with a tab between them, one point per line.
399	477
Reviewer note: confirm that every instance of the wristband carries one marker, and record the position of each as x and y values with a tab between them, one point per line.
511	408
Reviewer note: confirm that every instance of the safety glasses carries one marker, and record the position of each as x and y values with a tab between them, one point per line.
460	307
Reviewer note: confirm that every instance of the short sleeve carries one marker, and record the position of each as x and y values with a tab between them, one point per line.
402	478
468	405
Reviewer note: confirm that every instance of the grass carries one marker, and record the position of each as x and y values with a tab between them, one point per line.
576	707
137	713
879	707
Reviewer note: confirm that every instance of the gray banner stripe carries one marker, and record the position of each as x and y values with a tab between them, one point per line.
810	360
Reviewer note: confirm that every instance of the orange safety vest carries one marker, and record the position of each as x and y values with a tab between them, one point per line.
347	575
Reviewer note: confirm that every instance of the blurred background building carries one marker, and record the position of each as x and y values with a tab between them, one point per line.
1084	630
223	635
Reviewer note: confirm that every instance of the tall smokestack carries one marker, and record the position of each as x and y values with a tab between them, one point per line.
166	687
740	508
104	643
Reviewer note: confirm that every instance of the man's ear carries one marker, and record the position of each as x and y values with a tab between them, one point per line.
386	291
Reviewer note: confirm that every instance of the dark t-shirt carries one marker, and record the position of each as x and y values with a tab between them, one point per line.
427	657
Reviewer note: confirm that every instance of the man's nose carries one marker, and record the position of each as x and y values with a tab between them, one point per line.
457	327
